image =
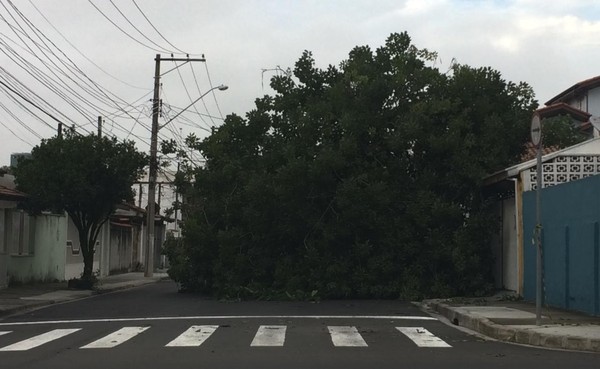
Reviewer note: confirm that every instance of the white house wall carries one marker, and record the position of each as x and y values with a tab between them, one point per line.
47	261
121	249
563	169
73	255
510	271
3	254
593	102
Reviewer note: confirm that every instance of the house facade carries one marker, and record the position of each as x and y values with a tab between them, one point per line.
511	184
584	96
46	247
514	188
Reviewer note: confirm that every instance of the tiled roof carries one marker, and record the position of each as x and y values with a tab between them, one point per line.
574	90
10	194
530	151
562	109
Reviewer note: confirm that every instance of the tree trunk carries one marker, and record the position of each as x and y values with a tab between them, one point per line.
87	250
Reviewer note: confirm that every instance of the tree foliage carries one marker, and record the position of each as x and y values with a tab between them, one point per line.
361	180
561	132
86	176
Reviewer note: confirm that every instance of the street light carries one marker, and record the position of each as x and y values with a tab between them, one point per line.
149	272
220	88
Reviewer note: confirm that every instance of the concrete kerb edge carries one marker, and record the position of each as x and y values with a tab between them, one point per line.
125	285
100	290
22	308
478	324
510	334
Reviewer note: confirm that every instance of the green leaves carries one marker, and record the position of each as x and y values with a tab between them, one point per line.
357	181
86	176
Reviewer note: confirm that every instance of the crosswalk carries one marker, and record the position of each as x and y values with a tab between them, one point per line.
196	335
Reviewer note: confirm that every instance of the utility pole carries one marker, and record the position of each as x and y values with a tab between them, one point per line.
149	262
152	173
59	130
99	126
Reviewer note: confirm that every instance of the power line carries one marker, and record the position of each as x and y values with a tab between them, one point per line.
157	31
14	134
188	94
213	91
200	92
27	128
81	53
51	86
125	32
31	102
133	25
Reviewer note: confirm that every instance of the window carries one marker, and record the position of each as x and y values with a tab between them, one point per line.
19	228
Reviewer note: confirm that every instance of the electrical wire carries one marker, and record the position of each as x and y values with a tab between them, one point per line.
65	79
18	120
125	32
188	94
200	93
90	85
133	25
45	77
213	91
81	53
202	114
157	31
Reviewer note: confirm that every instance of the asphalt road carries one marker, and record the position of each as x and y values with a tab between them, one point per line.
156	327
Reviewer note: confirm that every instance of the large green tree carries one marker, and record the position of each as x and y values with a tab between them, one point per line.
362	180
86	176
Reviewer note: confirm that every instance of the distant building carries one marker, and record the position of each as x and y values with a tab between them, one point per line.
15	157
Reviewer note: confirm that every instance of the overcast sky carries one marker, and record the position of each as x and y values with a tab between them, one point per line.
84	66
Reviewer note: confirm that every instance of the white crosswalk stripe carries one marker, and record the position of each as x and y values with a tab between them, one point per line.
269	335
422	337
39	340
116	338
193	336
346	336
196	335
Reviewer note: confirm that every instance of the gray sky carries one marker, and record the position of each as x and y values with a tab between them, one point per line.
550	44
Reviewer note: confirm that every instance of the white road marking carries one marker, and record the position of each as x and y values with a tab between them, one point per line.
39	340
269	335
204	317
5	332
345	336
422	337
116	338
194	336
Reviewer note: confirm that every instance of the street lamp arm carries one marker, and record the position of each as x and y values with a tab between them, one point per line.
220	88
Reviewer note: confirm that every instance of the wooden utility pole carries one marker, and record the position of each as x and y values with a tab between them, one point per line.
99	126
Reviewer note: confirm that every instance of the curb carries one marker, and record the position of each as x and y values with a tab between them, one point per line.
111	287
511	334
20	308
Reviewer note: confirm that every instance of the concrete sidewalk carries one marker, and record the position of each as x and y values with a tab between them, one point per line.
514	321
24	297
